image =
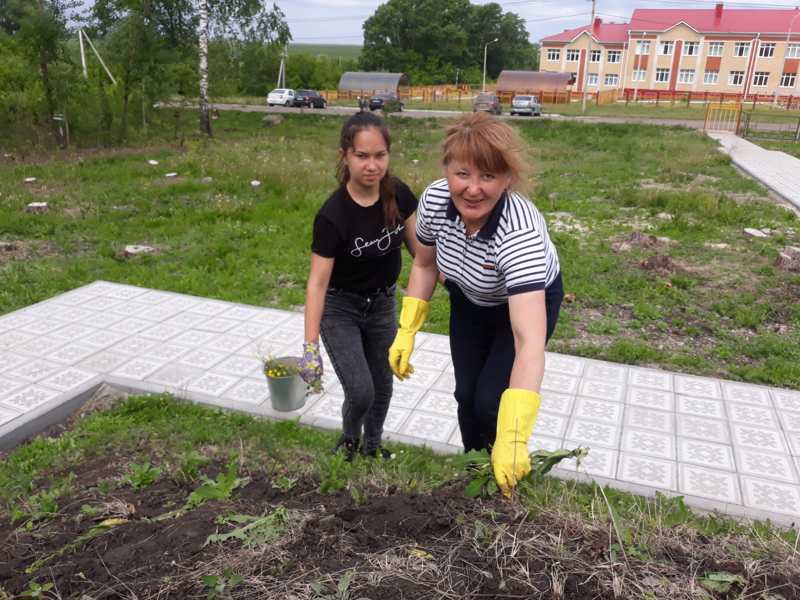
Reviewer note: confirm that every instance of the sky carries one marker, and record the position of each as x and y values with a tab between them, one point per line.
341	21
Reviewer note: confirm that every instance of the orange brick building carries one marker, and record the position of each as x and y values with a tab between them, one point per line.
716	50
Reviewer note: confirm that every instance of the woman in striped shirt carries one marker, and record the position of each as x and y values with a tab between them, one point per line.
502	272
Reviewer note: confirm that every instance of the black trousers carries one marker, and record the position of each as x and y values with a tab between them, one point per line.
482	347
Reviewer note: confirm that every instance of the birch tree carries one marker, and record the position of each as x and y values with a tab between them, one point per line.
202	36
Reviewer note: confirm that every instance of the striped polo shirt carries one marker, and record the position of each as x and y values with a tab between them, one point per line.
511	253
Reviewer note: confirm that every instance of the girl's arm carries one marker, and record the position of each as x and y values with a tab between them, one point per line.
410	236
318	279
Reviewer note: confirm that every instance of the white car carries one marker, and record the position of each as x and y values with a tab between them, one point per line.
526	105
280	96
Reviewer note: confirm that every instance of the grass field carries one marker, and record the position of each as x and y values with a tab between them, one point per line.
344	51
693	294
152	498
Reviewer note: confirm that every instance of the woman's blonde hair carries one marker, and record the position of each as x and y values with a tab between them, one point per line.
489	144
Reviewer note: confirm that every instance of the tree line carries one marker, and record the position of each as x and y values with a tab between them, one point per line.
150	48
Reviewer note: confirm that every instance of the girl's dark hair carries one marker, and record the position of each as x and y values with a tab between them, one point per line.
360	122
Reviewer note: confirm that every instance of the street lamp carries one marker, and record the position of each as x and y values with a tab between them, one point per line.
485	48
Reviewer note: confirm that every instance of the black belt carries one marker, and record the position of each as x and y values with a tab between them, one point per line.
387	290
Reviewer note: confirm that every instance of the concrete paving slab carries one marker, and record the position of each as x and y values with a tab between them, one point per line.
722	445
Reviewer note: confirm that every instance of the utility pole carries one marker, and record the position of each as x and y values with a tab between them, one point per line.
588	60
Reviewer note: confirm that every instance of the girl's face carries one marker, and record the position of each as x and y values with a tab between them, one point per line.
368	159
475	193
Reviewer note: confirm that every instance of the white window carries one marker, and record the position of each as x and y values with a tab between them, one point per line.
686	76
711	77
793	51
766	50
716	48
691	48
553	54
665	48
573	55
639	75
591	79
741	49
612	80
662	75
642	47
736	78
614	56
788	80
596	56
761	79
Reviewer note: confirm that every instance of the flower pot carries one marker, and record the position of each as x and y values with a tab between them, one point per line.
287	393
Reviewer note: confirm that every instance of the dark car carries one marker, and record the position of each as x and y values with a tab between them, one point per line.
309	98
388	100
487	102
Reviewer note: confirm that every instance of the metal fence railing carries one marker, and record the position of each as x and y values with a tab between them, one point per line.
769	126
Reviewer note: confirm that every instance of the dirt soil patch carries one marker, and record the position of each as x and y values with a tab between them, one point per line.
11	250
389	545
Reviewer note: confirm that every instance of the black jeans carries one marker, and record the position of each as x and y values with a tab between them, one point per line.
482	346
357	330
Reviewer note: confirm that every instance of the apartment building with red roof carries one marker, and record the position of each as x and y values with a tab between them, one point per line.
715	50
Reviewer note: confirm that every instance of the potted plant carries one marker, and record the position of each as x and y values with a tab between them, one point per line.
287	390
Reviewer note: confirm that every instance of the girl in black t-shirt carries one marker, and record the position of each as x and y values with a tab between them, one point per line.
355	263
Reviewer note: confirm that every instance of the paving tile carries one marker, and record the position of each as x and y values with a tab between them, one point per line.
582	432
209	308
564	384
10	360
651	379
605	372
15	321
712	430
440	403
12	339
132	309
167	352
69	379
230	343
218	324
429	426
282	336
186	320
702	387
7	415
786	399
395	418
100	303
269	318
34	370
203	358
557	403
328	407
749	394
455	439
240	313
42	326
645	418
181	303
30	397
420	378
536	442
771	496
705	454
10	384
550	425
709	483
650	398
104	338
161	332
159	313
71	353
193	338
758	416
614	392
137	368
131	325
564	365
212	384
599	462
102	320
118	290
756	438
74	331
790	421
429	360
446	383
407	396
249	391
649	443
598	410
436	343
154	297
700	407
644	470
766	465
104	361
175	376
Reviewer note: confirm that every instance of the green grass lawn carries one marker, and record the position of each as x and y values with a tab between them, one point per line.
344	51
705	299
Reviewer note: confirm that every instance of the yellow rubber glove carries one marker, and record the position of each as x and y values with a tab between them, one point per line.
515	421
413	315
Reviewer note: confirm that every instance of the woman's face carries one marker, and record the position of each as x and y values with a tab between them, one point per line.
368	159
475	193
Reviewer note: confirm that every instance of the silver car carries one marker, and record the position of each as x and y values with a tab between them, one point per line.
526	105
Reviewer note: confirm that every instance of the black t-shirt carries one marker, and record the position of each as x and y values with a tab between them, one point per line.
366	254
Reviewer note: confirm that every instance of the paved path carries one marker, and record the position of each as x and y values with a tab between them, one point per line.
778	171
722	445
